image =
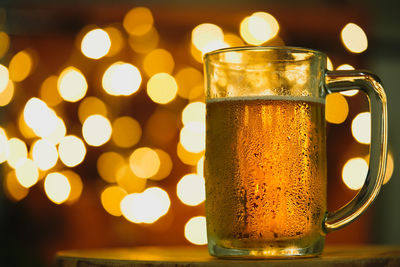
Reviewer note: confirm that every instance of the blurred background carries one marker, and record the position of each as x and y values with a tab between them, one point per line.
102	116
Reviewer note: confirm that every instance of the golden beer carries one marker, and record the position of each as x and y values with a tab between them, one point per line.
265	172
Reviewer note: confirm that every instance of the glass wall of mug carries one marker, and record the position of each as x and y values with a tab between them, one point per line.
265	160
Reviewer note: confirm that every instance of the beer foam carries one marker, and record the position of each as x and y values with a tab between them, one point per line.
268	97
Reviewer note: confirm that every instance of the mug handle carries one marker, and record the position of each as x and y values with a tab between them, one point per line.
343	80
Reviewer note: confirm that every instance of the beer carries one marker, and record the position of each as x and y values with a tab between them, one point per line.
265	170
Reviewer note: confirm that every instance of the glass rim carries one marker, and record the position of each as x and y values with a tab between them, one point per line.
290	49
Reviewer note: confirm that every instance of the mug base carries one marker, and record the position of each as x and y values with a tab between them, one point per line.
267	252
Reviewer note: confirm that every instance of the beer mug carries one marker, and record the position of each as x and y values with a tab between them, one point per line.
265	160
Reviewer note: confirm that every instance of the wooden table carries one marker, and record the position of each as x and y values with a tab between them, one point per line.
198	256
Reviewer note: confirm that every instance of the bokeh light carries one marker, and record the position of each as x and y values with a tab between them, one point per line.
4	147
20	66
161	127
190	82
4	44
165	165
91	106
146	207
16	150
24	129
329	64
4	77
44	154
200	167
40	118
258	28
191	189
232	40
117	40
336	108
196	230
48	91
162	88
121	79
196	54
354	173
144	162
194	112
158	60
76	185
145	43
58	133
389	167
192	137
207	37
72	85
111	198
188	157
27	172
138	21
96	44
347	67
72	150
129	181
354	38
108	165
96	130
14	190
361	127
7	94
126	131
57	187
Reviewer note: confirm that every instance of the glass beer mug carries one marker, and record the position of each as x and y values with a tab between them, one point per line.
265	159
